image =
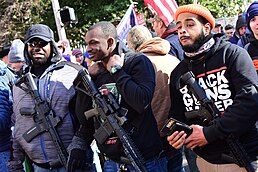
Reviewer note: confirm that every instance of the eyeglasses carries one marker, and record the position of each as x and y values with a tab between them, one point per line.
39	44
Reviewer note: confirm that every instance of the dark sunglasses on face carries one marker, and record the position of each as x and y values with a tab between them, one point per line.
39	44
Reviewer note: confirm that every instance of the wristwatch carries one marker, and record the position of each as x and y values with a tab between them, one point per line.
115	68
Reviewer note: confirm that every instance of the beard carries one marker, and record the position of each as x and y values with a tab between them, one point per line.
41	61
196	45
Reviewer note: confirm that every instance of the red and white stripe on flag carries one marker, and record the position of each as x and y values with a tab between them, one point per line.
165	9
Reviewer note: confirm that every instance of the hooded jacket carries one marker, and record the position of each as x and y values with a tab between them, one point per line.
240	23
227	75
156	49
55	86
252	49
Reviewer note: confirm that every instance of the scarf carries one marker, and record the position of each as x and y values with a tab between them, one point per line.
203	49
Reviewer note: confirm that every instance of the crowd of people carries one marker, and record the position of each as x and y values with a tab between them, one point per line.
188	71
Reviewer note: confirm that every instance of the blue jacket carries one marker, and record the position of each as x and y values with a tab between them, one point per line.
7	74
175	47
234	39
5	114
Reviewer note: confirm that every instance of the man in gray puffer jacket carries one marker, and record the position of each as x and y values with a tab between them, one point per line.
55	84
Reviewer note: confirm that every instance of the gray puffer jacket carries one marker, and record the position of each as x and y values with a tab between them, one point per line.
56	87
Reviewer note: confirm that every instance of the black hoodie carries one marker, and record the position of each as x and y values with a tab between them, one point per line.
228	76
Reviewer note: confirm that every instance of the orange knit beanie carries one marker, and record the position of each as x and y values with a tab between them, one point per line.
196	9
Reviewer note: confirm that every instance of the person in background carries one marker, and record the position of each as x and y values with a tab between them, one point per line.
139	39
217	28
252	24
61	46
227	76
9	77
15	55
246	38
169	33
77	53
240	29
87	59
229	30
5	121
4	53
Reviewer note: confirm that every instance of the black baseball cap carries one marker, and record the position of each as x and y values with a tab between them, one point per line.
39	31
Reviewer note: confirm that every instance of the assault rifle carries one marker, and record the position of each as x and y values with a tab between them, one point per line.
44	118
236	148
111	117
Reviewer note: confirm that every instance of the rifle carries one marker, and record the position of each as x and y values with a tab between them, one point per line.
44	118
236	148
111	117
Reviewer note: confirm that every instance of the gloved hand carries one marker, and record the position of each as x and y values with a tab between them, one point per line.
77	159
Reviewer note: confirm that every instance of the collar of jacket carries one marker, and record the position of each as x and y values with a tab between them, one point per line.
168	32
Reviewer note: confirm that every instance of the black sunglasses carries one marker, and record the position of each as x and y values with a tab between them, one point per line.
39	44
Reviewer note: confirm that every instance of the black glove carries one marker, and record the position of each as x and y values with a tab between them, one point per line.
76	160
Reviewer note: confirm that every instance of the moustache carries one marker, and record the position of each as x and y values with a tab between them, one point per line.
184	37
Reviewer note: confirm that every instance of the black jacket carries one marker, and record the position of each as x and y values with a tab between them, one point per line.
228	76
135	83
252	49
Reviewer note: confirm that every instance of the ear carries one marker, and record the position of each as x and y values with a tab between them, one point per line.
207	29
110	42
160	24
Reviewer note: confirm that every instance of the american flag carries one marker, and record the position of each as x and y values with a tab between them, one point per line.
165	9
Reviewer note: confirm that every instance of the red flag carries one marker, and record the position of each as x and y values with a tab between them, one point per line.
165	9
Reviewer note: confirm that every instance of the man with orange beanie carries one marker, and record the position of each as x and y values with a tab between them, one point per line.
228	78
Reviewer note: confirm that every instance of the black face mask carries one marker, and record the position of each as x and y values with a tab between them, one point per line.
200	40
